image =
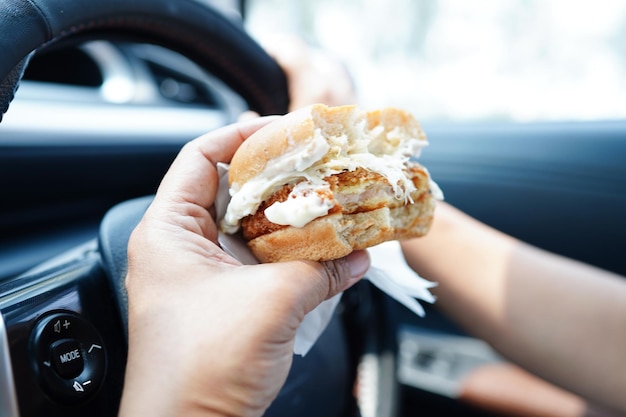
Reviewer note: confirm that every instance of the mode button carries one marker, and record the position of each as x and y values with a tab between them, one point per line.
67	358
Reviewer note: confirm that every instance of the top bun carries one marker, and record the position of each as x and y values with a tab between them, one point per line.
298	128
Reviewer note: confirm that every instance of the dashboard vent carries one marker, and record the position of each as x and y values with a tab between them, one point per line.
69	66
182	88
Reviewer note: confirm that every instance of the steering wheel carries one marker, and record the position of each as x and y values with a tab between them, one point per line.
186	26
221	47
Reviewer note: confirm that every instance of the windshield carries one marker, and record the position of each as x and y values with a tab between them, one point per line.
513	60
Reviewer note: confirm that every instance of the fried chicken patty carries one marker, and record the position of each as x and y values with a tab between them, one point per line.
351	191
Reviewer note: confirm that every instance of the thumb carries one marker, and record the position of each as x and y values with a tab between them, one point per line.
330	278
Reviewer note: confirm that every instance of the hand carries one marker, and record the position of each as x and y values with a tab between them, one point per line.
313	76
207	335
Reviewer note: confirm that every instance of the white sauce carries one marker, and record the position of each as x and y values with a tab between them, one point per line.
302	206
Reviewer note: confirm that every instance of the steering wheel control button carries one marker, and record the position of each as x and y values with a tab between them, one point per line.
69	357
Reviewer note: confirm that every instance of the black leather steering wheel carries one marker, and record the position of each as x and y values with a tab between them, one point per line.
189	27
186	26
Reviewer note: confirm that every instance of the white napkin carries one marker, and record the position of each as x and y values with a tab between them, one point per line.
389	272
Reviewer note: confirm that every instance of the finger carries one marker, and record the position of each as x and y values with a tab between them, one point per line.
324	280
193	177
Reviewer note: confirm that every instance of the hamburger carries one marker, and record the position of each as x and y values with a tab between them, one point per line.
322	181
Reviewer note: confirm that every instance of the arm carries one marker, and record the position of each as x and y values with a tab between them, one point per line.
561	319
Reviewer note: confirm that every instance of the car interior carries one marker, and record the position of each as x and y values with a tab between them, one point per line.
97	98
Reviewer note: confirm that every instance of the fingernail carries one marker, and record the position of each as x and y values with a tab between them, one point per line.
248	115
359	262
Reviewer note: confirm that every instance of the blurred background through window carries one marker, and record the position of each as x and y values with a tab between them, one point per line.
509	60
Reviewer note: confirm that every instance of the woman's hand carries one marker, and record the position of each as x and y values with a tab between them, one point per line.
207	335
313	75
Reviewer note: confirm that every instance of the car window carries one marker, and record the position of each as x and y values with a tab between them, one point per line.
514	60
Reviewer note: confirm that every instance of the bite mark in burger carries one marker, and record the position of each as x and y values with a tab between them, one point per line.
322	181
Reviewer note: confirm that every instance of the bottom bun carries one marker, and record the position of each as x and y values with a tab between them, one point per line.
336	235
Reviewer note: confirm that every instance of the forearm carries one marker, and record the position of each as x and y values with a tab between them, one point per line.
564	320
467	260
